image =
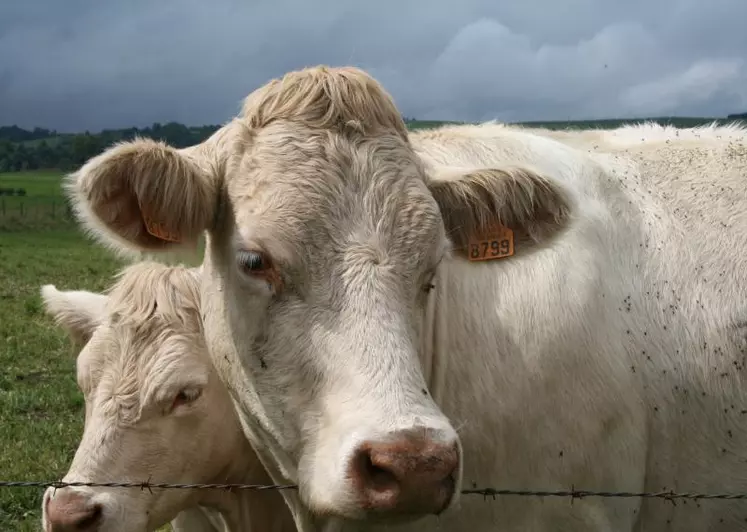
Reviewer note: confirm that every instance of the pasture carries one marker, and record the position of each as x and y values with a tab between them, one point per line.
41	205
41	408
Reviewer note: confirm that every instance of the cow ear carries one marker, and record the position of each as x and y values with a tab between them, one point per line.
79	312
476	203
142	195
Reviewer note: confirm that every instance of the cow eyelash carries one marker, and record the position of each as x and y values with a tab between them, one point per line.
253	262
185	397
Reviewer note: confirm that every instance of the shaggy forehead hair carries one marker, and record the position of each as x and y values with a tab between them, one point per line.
154	319
148	292
325	98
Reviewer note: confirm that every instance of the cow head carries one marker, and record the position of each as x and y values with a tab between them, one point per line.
154	408
325	232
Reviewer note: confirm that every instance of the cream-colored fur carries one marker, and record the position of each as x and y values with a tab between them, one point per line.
141	346
606	354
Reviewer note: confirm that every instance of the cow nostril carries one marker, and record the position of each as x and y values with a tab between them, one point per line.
378	478
89	521
406	474
448	485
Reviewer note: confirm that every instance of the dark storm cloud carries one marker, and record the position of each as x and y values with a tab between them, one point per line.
91	64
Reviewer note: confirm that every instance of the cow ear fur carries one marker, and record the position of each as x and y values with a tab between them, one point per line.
142	195
475	201
79	312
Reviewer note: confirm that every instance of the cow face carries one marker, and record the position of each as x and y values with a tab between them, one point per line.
332	265
154	408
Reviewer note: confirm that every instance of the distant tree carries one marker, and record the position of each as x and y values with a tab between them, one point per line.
17	134
21	149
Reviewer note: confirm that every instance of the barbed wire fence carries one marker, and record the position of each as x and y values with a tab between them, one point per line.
488	492
572	493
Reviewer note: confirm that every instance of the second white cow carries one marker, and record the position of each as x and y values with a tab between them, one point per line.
155	411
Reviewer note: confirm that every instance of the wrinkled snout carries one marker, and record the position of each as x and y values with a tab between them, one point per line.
410	472
67	510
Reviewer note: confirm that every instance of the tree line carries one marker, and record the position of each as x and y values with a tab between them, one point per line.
40	148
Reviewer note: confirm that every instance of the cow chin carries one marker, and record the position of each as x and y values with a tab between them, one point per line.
384	476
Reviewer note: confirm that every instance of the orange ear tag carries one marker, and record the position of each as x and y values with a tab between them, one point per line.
498	243
158	230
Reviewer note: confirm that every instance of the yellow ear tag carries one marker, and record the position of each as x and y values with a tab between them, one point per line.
498	243
159	230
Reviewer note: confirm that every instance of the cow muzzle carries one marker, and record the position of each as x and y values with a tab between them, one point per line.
410	473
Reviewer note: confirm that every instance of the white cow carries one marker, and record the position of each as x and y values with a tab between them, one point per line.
155	411
358	331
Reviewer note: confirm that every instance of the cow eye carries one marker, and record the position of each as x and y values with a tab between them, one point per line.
252	261
185	396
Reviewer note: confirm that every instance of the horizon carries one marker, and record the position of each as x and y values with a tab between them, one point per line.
730	116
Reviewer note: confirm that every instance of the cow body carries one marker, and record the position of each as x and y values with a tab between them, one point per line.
605	354
629	331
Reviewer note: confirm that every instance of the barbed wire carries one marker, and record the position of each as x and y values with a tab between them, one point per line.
485	492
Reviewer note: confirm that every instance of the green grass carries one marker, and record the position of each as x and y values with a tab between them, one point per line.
37	183
43	206
41	408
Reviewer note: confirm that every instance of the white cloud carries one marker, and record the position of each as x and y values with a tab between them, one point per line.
700	82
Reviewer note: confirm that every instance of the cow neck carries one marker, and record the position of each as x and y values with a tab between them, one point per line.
233	505
433	326
242	513
226	511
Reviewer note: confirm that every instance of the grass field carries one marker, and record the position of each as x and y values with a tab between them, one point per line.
43	206
41	183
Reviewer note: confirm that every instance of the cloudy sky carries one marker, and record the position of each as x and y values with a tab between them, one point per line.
92	64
